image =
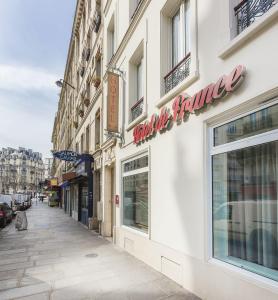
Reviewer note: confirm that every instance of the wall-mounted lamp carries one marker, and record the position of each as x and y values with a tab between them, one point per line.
61	82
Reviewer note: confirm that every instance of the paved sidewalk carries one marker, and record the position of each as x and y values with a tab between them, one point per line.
57	258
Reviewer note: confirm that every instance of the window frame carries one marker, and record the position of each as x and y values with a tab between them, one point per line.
183	34
266	137
123	174
166	13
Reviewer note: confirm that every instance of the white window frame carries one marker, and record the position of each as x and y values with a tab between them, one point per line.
139	80
184	32
166	13
269	136
142	153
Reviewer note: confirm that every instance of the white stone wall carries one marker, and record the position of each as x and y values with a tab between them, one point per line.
178	243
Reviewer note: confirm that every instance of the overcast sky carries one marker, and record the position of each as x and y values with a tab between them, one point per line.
34	39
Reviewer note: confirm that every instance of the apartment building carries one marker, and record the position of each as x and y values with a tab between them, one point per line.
77	123
193	174
21	171
186	157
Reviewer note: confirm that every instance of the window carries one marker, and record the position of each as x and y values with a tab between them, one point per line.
82	143
88	132
247	11
133	7
136	87
111	39
180	47
97	130
135	193
245	192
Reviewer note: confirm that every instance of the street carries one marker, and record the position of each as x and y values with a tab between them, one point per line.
57	258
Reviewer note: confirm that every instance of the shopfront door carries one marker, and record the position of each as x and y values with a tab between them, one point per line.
84	204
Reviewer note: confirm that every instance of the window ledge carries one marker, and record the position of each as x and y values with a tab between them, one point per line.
247	275
139	119
249	32
178	89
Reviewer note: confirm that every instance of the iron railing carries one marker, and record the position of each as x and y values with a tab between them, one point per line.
178	74
247	11
137	109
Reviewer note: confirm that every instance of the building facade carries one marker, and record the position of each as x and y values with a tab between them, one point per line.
21	171
77	125
188	141
48	167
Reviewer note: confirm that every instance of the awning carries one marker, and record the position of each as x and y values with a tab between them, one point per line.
64	184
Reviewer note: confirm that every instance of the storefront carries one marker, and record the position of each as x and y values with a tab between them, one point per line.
83	170
199	187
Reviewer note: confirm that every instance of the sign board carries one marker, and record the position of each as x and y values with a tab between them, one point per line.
113	103
66	155
183	105
54	182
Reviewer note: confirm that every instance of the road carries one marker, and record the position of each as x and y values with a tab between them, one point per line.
57	258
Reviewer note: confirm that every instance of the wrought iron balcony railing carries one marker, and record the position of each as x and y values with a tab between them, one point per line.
137	109
247	11
178	74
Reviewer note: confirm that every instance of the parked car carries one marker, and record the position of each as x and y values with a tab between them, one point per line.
6	214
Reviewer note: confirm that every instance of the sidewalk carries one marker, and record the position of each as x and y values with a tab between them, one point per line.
57	258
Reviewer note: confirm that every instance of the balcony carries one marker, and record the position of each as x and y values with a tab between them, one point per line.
137	109
178	74
247	11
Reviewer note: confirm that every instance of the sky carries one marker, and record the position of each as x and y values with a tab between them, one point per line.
34	40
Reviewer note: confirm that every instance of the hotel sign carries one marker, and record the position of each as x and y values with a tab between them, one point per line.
113	102
183	105
67	155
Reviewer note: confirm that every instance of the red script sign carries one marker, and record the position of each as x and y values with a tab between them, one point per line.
184	104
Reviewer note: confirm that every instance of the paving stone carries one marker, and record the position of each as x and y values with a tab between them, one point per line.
49	261
25	291
11	274
8	284
12	251
44	296
13	260
16	266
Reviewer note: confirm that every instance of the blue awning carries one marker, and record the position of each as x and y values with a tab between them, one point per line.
64	184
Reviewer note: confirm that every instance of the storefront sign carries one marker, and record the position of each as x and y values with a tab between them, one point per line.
54	182
184	104
113	102
66	155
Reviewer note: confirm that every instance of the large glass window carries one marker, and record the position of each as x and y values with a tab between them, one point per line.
135	193
244	193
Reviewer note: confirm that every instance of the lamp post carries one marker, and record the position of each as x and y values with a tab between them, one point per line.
61	82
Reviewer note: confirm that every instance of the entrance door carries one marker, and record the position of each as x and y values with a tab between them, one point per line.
84	205
113	208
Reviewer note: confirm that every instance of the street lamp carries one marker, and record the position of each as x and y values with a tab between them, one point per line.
60	83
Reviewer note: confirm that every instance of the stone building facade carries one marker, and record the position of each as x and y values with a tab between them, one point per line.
188	179
21	171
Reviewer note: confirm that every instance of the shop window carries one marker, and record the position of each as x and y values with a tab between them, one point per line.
176	26
245	192
135	193
136	87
